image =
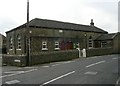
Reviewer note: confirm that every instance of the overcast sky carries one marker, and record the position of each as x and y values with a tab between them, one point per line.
103	12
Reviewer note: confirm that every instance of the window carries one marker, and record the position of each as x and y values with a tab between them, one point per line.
11	43
77	45
61	31
90	42
19	42
103	44
44	45
57	45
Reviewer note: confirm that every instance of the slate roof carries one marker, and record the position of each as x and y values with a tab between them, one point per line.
106	37
52	24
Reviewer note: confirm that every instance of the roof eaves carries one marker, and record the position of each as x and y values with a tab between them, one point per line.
115	34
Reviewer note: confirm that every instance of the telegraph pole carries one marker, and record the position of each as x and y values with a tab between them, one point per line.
27	13
28	41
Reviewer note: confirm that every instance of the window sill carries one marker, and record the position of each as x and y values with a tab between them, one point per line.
18	49
10	49
44	49
57	48
90	48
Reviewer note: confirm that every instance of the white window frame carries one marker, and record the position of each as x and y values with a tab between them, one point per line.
90	43
44	43
57	44
60	31
19	42
103	43
77	45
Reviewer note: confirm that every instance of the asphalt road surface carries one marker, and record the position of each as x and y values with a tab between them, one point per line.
96	70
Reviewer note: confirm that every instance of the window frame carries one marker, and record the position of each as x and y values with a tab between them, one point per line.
57	43
103	44
77	45
90	42
44	43
11	43
19	42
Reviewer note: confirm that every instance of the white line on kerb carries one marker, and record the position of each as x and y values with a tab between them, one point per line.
57	78
95	63
12	82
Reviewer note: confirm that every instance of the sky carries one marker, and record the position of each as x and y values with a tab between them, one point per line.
104	13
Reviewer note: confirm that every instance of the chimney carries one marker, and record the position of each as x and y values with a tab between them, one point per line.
92	23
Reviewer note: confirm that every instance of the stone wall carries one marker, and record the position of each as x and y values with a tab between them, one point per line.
40	58
99	51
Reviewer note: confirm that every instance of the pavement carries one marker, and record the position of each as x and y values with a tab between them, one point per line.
98	70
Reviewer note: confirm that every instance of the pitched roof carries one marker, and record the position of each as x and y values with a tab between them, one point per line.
52	24
2	35
106	37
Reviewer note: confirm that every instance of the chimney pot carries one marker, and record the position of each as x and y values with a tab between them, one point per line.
92	23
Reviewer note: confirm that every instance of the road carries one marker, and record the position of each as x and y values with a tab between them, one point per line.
93	70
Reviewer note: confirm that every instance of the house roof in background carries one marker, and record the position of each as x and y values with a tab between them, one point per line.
2	35
106	37
53	24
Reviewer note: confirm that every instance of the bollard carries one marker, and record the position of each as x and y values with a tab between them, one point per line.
79	52
84	52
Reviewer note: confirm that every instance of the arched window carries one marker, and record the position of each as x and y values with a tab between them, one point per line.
19	42
90	42
11	43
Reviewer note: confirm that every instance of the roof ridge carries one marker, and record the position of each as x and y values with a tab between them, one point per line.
61	21
38	22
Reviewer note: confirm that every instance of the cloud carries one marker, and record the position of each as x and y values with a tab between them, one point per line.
104	12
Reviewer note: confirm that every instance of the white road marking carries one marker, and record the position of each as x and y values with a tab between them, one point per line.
3	76
67	62
94	57
14	72
20	68
12	82
117	82
55	64
114	58
29	67
45	66
57	78
90	73
95	63
30	70
59	63
17	73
